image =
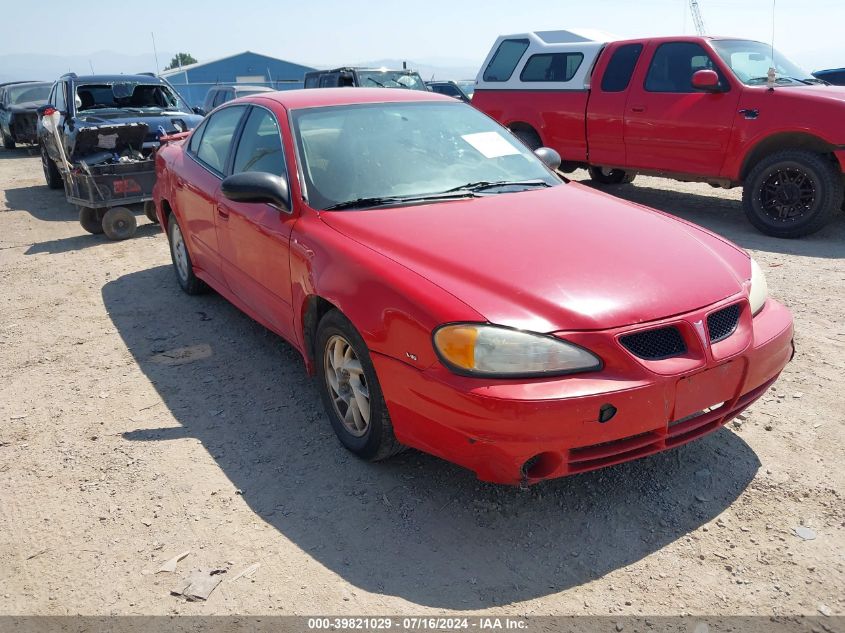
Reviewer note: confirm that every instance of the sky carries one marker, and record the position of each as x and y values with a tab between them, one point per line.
444	32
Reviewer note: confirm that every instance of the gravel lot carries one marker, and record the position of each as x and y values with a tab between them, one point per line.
114	459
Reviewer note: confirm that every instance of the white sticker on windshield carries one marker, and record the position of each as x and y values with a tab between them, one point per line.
491	144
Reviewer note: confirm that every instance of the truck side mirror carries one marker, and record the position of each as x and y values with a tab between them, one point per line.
707	81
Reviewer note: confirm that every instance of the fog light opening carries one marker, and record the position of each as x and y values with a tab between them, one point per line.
541	465
606	413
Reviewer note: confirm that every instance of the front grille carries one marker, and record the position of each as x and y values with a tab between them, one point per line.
658	344
723	323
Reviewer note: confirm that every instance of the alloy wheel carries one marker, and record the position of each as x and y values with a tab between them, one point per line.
347	385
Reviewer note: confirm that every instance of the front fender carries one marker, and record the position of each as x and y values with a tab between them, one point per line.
394	309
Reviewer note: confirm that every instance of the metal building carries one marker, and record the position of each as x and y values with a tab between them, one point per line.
194	80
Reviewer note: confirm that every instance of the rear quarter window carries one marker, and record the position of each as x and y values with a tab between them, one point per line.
505	59
551	67
620	68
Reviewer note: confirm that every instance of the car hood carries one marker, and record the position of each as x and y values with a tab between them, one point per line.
563	258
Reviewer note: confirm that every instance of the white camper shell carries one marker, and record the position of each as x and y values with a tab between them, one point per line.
542	60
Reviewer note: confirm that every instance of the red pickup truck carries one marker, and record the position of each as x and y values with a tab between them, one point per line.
691	108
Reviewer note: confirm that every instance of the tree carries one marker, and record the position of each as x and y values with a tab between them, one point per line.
181	59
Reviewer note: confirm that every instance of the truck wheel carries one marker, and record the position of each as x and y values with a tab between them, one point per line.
91	219
529	138
792	193
150	211
8	142
610	176
119	223
350	390
51	172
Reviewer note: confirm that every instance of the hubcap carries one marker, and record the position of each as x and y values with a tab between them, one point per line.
180	255
787	194
347	385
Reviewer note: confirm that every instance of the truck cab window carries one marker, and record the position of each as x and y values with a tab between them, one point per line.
673	66
505	59
621	66
551	67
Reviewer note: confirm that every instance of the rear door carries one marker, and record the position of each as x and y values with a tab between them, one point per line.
669	125
197	183
606	107
254	238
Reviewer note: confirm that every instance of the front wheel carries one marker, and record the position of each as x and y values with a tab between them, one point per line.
91	219
792	193
51	172
119	223
350	390
150	211
606	176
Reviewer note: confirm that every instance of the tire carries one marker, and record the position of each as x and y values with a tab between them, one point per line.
792	193
8	142
91	219
529	138
369	434
150	211
51	172
611	176
119	223
181	259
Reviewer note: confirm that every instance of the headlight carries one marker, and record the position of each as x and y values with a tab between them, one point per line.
489	350
759	290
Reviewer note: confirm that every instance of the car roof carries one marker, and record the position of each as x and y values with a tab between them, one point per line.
246	87
116	78
321	97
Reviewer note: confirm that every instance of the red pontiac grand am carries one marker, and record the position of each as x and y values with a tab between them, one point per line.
452	294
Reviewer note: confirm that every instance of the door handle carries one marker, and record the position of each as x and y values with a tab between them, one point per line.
750	113
637	108
223	212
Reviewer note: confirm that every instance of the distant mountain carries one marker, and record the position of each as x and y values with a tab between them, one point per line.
49	67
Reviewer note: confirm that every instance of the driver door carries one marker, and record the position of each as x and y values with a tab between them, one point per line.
254	237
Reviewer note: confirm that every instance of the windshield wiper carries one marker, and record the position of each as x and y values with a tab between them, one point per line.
481	185
378	83
381	201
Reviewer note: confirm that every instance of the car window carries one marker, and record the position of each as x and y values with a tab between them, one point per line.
213	148
196	137
504	60
311	81
446	89
673	66
621	66
328	80
61	101
218	98
551	67
260	145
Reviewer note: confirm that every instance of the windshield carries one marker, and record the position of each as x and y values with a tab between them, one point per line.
128	95
28	92
750	62
245	92
390	79
356	152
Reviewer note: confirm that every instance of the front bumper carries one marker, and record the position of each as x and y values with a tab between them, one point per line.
512	432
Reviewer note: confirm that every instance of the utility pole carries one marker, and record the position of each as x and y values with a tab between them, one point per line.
700	29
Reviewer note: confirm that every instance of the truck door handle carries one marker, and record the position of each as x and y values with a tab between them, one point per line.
637	108
223	212
750	113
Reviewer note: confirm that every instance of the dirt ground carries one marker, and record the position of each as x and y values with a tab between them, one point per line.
113	461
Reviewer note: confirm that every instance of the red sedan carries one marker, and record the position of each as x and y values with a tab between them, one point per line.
452	294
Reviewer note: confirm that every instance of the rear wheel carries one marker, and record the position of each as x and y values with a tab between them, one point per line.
51	172
150	211
8	142
792	193
351	392
91	219
529	138
611	176
119	223
182	264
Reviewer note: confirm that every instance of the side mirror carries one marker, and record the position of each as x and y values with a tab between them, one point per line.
47	108
257	186
706	80
550	157
198	110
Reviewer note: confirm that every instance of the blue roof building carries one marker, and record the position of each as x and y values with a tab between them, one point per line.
254	69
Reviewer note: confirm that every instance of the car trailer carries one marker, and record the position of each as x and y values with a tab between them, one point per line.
104	194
